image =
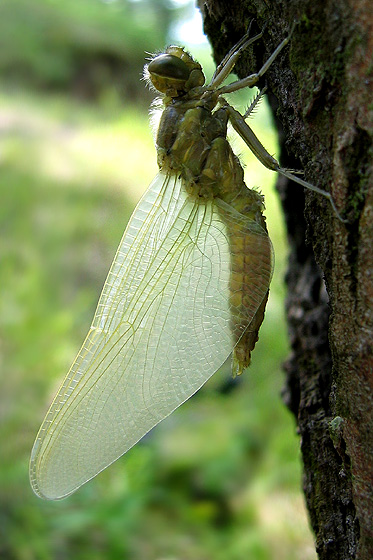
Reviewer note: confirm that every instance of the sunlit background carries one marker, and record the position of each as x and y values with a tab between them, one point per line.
219	479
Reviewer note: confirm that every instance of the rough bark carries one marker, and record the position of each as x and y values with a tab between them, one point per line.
319	90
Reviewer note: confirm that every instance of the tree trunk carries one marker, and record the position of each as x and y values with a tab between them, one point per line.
319	92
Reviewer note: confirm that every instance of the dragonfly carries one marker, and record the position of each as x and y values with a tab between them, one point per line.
187	288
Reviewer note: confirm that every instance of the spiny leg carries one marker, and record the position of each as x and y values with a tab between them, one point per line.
255	102
242	128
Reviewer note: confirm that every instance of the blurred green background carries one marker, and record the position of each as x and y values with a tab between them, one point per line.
220	478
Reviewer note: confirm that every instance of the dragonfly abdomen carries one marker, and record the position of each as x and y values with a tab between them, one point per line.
202	156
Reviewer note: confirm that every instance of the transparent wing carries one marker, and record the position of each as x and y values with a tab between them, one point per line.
161	329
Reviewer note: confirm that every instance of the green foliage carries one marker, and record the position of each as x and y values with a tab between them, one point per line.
81	45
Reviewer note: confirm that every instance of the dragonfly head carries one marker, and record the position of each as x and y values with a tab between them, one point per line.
174	72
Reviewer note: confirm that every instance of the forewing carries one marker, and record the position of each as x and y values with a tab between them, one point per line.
161	329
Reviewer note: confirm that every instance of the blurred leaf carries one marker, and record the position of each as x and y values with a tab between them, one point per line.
80	45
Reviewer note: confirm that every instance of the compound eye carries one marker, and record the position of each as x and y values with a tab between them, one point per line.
169	66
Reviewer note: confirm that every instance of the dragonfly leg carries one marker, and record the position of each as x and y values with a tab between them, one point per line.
255	102
251	140
227	64
251	80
